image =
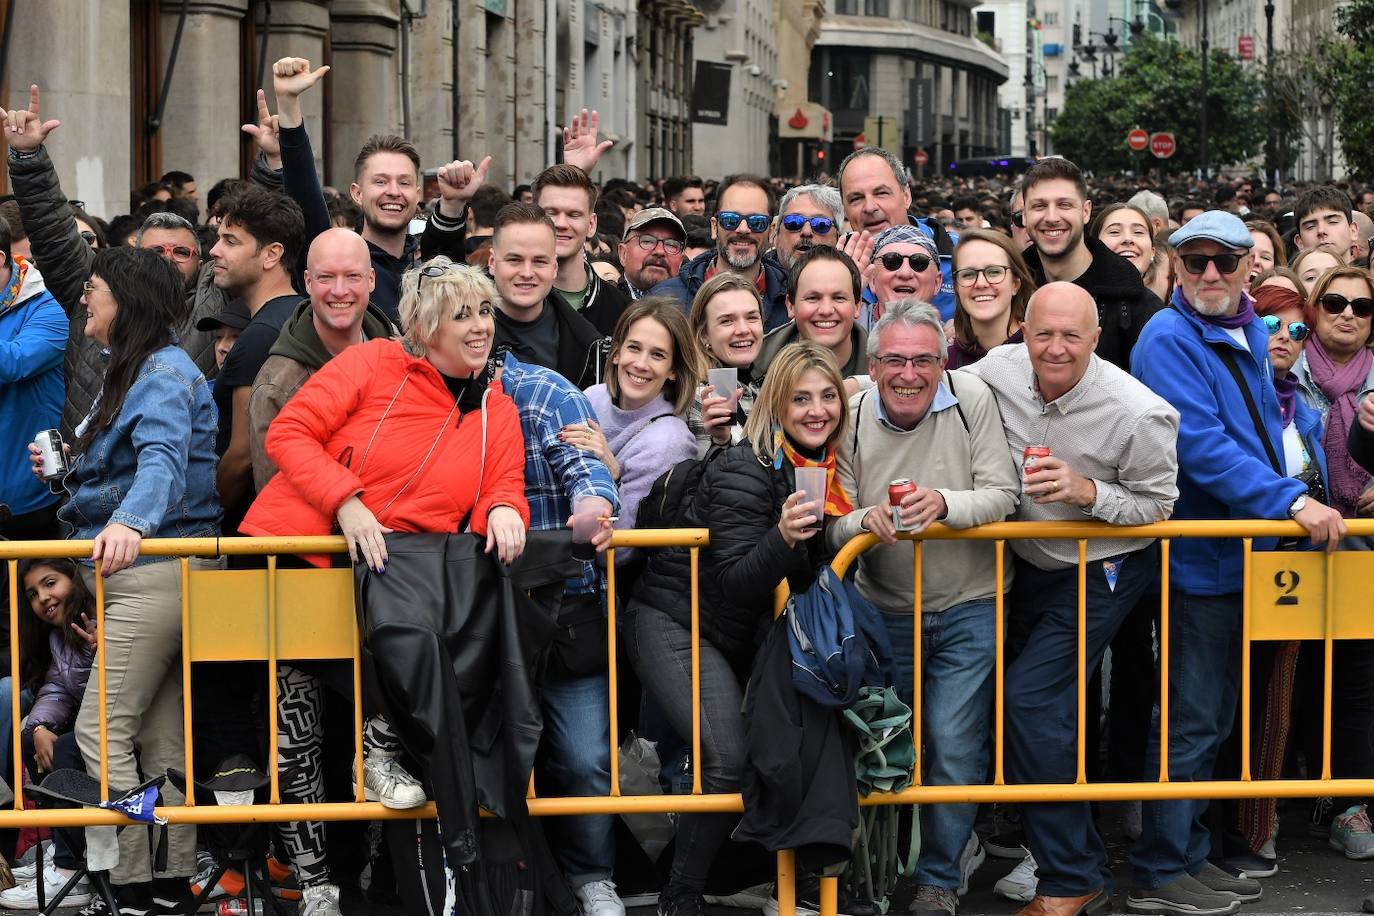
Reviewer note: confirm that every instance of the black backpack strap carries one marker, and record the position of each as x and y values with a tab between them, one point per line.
854	444
1228	356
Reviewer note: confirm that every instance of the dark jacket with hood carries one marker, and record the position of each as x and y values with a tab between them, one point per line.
1361	445
740	500
582	349
684	287
1124	304
297	355
65	261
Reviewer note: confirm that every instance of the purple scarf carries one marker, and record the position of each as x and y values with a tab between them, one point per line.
1287	390
1341	385
1243	316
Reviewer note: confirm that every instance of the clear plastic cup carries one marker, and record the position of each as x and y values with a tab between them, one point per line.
723	380
812	481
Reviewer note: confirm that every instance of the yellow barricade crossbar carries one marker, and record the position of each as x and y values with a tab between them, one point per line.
237	615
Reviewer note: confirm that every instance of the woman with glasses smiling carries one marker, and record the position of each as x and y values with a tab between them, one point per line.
991	287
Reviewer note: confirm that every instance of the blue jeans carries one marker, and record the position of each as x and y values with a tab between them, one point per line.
1204	682
958	652
576	760
1042	705
6	738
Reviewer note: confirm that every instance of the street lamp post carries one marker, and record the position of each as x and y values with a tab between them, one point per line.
1202	121
1271	152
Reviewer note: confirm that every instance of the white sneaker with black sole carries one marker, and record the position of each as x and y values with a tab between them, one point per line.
1020	883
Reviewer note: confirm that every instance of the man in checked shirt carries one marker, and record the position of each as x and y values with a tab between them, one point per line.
1112	458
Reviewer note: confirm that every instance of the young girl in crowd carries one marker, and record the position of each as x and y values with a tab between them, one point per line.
56	650
727	328
761	533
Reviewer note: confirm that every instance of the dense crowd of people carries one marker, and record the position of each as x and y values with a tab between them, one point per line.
788	365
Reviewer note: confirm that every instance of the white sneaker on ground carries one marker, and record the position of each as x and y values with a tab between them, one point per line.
1019	884
27	871
385	780
598	898
25	896
320	900
973	856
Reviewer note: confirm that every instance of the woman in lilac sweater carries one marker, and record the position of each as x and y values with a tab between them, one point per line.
651	381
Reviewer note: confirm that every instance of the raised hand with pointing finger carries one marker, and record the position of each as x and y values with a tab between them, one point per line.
266	133
25	129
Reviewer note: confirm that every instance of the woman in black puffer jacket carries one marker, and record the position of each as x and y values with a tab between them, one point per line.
760	536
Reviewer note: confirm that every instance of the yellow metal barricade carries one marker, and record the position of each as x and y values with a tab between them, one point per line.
277	615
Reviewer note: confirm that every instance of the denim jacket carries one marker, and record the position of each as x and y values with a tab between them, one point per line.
153	468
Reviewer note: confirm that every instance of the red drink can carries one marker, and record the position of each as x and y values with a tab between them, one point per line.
1032	454
895	491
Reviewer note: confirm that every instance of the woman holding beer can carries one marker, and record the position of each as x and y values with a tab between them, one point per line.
143	466
763	530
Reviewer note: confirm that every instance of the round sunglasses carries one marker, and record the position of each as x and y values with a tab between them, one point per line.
1297	331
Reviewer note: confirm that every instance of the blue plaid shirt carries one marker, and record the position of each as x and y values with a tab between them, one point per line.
556	474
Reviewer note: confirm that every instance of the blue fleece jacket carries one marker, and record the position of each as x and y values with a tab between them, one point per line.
1223	469
33	336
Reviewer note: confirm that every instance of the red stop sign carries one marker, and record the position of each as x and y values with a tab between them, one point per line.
921	157
1162	145
1138	139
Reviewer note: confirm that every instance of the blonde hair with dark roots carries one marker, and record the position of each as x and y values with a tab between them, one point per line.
680	391
784	374
423	305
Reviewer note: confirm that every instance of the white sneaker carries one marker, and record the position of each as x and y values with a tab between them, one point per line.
1019	884
27	871
598	898
25	896
973	856
385	780
320	900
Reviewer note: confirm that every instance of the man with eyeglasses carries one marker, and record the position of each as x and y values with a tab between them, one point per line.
1111	458
945	435
651	251
1056	211
809	215
744	217
57	245
1208	357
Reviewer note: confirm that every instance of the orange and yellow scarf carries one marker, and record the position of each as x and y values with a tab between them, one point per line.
837	501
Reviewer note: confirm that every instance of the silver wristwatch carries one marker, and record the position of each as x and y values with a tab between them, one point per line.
1297	506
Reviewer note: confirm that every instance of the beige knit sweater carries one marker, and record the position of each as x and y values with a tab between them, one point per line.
972	469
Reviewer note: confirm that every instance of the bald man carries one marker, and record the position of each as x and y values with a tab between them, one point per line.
340	279
1112	458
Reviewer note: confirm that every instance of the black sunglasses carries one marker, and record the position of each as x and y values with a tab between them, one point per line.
432	271
1335	304
821	225
1018	219
1197	263
892	262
